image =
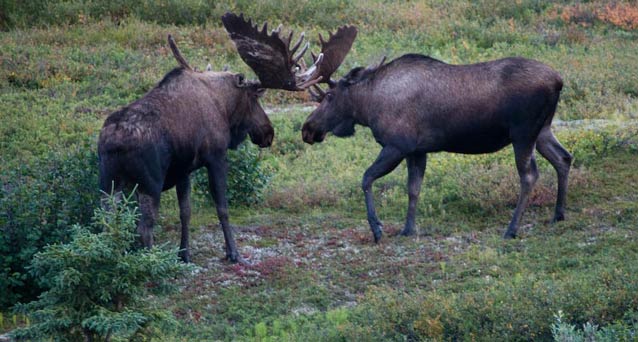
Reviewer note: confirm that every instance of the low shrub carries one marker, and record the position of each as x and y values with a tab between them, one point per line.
625	329
39	200
97	285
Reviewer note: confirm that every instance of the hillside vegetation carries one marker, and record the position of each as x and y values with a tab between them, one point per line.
315	273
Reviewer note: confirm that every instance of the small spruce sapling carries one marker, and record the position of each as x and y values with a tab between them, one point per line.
99	286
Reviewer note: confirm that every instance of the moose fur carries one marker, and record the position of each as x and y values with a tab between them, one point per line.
417	105
188	121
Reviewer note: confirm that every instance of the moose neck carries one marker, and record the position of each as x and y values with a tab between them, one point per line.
231	100
360	100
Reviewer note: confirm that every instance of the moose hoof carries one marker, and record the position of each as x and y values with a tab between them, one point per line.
235	258
185	256
509	235
558	218
407	232
377	233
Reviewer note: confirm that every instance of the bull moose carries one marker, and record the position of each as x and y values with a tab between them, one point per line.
188	121
416	105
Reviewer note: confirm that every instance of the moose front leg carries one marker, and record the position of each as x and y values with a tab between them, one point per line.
149	207
183	189
416	169
217	172
388	160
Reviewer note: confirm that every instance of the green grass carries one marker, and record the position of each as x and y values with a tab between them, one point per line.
316	275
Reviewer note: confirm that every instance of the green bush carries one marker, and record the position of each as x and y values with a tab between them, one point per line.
247	178
97	284
625	329
39	200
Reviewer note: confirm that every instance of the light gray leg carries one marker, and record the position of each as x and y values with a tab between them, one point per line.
561	160
528	173
183	189
416	169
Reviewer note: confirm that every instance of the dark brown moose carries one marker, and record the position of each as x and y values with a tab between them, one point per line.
416	105
186	122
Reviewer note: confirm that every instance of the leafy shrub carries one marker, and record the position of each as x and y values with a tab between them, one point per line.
621	330
39	200
622	15
247	178
43	12
98	285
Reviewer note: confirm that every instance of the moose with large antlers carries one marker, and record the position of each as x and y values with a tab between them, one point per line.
188	121
417	105
414	105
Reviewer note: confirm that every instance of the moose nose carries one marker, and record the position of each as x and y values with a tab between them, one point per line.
269	135
307	135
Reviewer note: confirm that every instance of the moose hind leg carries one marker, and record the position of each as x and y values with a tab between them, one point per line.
149	207
388	160
561	160
183	189
416	169
528	173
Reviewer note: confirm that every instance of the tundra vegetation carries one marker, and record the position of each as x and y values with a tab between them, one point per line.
315	273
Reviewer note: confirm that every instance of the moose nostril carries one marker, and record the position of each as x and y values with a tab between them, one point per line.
307	136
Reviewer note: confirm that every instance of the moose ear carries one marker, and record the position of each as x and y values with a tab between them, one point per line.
240	80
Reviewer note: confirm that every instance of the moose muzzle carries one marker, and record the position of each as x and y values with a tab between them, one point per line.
262	136
312	135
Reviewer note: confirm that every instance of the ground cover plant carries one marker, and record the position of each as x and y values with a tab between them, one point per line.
315	273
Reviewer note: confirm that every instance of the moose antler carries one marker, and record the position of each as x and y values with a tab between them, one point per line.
335	50
270	56
178	55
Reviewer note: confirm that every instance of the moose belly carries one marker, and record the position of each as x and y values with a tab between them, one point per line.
179	169
476	142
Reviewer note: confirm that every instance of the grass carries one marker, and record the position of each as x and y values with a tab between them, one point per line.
315	273
312	250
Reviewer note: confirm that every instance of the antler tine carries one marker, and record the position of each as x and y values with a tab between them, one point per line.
319	90
317	94
298	43
277	30
311	76
314	95
301	53
289	38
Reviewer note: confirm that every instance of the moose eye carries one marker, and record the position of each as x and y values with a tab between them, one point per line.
329	96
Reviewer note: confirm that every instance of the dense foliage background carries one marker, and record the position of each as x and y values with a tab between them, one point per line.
315	274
